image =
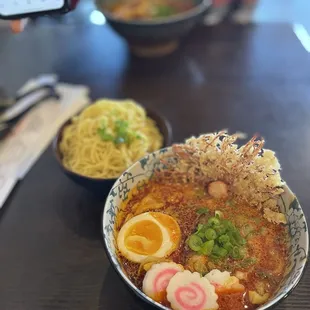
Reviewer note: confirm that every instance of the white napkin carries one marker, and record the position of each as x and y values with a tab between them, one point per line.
35	131
4	24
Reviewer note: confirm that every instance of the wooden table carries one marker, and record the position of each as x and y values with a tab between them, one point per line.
253	79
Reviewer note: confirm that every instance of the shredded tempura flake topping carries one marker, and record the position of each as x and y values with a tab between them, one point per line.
251	172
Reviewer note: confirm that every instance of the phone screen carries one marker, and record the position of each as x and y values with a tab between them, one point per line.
19	7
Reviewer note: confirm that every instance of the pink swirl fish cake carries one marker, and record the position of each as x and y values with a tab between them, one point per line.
157	278
189	291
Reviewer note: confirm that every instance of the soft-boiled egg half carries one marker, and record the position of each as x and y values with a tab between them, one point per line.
149	234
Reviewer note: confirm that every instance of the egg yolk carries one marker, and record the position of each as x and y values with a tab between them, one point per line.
171	225
144	237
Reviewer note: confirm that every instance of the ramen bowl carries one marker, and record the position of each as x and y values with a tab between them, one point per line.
98	186
145	169
156	37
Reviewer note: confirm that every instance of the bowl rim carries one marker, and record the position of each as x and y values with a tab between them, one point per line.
58	136
150	301
197	9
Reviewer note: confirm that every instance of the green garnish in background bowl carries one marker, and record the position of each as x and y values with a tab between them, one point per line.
122	135
163	11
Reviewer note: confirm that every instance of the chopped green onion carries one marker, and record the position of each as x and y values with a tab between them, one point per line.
200	227
207	247
103	124
228	246
219	252
232	238
121	124
201	230
104	135
241	240
213	221
137	136
210	234
235	238
219	214
228	224
218	238
237	253
195	243
220	229
224	239
202	211
163	11
122	133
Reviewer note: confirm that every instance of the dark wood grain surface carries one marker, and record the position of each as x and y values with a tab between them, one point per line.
253	79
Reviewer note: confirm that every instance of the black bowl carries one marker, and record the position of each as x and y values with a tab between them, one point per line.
157	37
101	187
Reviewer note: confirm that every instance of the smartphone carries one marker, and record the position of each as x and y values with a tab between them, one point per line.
17	9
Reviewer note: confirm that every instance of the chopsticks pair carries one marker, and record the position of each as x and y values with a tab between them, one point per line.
44	105
23	103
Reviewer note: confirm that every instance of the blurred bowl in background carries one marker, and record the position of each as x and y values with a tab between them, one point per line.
101	187
159	36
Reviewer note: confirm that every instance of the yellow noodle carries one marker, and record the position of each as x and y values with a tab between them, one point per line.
86	153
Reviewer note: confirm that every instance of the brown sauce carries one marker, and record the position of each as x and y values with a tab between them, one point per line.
266	243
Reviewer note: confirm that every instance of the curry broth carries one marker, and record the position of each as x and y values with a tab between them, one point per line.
262	267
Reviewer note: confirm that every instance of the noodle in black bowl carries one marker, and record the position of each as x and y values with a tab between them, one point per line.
100	187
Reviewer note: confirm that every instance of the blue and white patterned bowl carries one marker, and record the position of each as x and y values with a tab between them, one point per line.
144	169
